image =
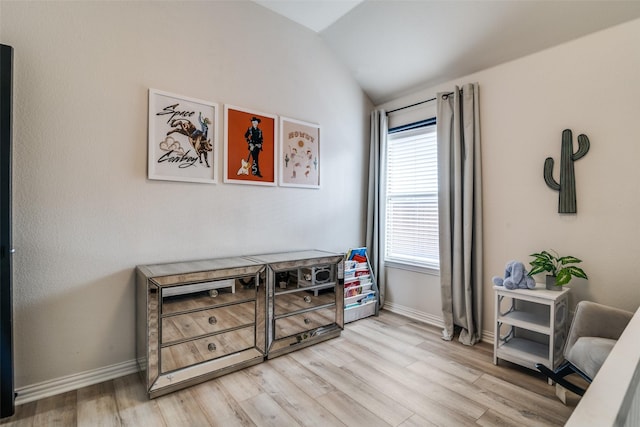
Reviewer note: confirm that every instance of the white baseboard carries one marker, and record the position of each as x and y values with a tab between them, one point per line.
487	336
430	319
56	386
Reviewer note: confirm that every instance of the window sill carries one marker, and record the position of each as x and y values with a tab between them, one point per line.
415	268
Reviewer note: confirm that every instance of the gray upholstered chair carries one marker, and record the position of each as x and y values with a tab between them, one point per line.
593	333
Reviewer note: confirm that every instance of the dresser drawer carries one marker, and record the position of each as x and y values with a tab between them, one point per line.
178	302
201	350
190	325
285	303
298	323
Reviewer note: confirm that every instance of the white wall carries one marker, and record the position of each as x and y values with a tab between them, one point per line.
591	86
84	212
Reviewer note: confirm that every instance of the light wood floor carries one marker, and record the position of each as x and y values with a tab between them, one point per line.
382	371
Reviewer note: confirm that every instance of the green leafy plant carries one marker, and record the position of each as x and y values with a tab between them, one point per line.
557	266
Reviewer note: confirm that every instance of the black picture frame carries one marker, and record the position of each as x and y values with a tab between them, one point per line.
7	394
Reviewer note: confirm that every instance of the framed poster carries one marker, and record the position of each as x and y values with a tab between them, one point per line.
250	154
182	138
299	153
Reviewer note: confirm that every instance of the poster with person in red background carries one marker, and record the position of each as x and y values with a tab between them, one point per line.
250	139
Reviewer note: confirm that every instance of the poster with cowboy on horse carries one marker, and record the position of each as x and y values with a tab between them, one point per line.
249	154
182	138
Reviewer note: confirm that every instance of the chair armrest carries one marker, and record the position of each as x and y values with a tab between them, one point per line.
596	320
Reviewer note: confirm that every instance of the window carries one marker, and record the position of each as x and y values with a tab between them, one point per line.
411	208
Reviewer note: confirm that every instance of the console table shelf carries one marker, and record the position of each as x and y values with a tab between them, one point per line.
524	319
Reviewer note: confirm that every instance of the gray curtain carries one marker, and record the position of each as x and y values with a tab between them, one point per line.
375	222
460	212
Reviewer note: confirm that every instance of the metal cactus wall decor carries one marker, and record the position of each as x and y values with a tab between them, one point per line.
567	185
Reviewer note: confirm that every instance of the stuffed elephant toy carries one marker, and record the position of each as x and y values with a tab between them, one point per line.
515	277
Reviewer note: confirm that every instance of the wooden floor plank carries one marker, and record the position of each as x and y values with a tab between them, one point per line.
494	419
180	409
436	404
371	398
399	335
552	408
301	407
349	411
394	383
384	338
333	352
133	403
24	416
219	406
377	349
240	385
507	371
310	383
485	397
385	370
60	410
465	373
97	406
416	421
390	318
265	412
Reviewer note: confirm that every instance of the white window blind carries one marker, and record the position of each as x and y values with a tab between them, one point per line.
411	176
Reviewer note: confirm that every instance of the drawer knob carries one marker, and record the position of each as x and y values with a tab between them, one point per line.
307	321
213	293
211	347
307	299
213	320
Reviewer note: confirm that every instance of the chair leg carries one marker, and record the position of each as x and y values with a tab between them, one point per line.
558	376
564	369
579	372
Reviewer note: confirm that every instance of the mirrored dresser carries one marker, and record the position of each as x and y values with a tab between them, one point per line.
305	302
199	320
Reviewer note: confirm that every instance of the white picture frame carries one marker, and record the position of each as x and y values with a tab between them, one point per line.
299	155
182	138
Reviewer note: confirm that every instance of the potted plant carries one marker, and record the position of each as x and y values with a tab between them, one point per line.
560	269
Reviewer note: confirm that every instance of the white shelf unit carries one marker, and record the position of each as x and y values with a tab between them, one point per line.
531	326
360	289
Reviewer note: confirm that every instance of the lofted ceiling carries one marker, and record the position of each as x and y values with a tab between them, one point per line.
395	46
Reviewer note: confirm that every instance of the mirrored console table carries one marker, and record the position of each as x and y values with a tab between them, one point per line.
198	320
305	302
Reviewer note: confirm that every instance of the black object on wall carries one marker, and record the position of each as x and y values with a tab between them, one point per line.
7	402
567	186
